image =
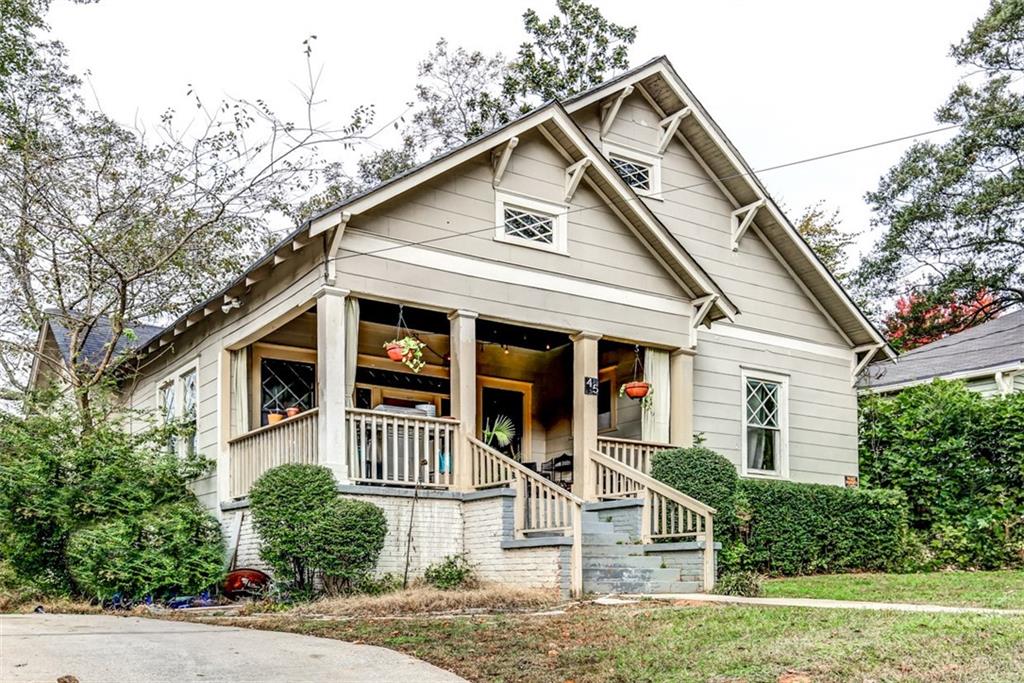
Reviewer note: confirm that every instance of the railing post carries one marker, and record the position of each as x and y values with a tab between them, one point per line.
462	350
709	553
576	554
330	370
520	506
645	517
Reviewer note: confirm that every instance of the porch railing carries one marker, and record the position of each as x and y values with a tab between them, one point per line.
293	440
667	513
389	448
636	454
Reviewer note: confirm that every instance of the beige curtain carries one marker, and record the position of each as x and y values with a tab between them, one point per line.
351	348
239	391
654	422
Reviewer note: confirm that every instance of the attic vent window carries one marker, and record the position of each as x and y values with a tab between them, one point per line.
529	226
636	175
530	222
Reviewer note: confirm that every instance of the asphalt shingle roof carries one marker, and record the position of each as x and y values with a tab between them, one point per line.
99	336
992	344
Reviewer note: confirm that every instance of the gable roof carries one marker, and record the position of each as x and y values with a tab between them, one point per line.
98	337
659	83
991	346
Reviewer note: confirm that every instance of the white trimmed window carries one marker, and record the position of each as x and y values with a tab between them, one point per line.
765	435
178	401
641	170
530	222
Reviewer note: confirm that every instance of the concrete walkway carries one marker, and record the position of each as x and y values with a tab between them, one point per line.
833	604
99	648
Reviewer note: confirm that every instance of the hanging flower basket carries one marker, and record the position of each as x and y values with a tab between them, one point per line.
395	351
636	390
408	350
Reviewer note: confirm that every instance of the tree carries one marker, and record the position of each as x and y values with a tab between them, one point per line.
103	222
953	212
822	232
568	53
921	319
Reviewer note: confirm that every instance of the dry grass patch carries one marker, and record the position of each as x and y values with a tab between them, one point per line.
426	600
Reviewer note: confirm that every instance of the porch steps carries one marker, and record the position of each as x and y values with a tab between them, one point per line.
614	560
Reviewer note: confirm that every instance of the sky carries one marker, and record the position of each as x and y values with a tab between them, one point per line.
786	80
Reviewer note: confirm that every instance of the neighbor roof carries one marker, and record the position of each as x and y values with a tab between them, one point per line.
991	346
98	337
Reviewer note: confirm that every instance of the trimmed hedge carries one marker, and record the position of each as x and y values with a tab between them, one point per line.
790	528
702	474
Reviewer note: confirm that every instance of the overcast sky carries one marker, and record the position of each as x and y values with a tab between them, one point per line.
786	80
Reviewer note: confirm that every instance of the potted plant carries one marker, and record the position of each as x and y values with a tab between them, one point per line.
292	411
407	350
639	390
274	416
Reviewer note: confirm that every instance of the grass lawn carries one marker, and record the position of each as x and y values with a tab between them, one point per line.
653	642
1003	589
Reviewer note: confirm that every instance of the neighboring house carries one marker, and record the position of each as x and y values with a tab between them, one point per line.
614	235
989	358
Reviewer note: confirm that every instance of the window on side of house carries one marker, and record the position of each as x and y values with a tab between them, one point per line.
765	424
530	222
640	169
178	401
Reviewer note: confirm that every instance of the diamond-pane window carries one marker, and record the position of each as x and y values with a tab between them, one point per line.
763	431
635	174
285	383
762	404
530	226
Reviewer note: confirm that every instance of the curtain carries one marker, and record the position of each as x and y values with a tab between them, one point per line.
757	444
239	391
351	348
654	422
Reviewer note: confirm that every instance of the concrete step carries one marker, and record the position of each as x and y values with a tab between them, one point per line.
614	538
597	528
631	575
623	562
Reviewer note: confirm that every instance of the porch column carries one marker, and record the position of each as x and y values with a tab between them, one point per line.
584	411
680	421
462	363
330	381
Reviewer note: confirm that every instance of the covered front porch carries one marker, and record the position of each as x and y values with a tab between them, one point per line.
318	387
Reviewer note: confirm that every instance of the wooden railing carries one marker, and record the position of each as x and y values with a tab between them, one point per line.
294	439
540	505
636	454
389	448
667	512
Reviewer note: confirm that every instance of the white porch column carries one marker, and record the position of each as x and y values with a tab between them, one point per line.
330	380
680	425
584	411
462	353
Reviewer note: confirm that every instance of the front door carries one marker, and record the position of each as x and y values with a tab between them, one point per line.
501	398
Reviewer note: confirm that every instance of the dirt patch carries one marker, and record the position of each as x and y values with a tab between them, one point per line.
426	601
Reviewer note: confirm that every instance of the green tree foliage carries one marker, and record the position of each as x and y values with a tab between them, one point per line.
307	532
570	52
951	212
821	229
959	458
61	474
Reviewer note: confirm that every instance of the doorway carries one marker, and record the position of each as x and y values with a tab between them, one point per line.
497	397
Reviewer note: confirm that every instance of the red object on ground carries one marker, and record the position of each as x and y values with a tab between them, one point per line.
245	582
637	389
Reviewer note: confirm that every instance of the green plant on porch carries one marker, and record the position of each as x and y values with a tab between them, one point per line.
501	432
407	350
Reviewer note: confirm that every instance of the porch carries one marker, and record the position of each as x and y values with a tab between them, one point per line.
376	422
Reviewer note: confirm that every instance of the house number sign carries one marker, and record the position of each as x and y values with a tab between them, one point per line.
591	386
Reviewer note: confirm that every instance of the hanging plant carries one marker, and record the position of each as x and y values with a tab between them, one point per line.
639	389
407	350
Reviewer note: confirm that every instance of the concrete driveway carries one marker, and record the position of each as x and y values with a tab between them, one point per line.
97	649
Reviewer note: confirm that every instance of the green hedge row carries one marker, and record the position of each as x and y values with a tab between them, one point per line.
780	527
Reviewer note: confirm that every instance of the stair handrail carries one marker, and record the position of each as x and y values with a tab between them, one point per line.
522	470
647	481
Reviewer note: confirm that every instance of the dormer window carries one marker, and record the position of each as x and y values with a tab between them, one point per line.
530	222
641	170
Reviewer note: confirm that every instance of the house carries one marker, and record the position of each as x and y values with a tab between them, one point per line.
989	358
612	237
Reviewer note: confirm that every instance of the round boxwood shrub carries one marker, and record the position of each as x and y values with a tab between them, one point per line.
307	532
169	550
702	474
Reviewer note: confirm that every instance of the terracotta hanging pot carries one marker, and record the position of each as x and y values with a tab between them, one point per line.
292	411
395	352
637	390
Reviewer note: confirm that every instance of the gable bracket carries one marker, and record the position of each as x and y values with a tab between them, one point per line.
869	351
702	307
573	176
669	126
740	226
610	110
331	250
500	157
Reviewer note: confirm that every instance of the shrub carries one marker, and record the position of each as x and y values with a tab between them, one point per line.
702	474
307	532
959	458
172	549
792	528
739	583
451	573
